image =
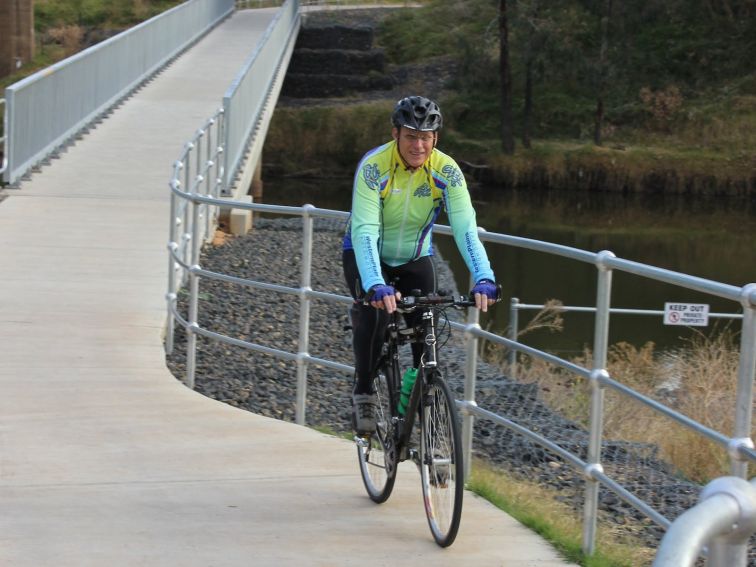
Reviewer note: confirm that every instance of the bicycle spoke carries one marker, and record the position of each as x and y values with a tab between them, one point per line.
441	464
376	453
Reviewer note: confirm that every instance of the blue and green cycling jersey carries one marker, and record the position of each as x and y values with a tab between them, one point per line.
394	208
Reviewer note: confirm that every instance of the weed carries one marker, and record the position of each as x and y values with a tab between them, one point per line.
699	381
539	509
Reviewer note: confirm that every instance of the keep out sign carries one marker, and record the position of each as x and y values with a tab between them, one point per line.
689	314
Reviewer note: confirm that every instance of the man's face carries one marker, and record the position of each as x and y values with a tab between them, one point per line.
414	146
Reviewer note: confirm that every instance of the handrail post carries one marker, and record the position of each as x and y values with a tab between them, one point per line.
4	139
170	295
209	178
600	348
746	374
225	188
220	142
191	347
187	204
304	314
471	366
514	323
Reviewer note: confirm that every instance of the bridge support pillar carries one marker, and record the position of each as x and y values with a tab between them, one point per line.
238	221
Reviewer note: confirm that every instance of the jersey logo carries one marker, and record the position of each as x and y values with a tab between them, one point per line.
371	175
423	191
453	174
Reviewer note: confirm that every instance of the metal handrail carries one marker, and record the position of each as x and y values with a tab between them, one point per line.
740	448
515	306
248	94
725	517
189	226
46	110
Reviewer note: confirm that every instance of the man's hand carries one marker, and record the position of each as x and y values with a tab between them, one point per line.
486	293
384	297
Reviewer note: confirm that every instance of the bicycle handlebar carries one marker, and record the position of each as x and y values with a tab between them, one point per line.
432	300
410	302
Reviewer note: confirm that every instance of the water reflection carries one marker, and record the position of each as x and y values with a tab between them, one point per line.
707	237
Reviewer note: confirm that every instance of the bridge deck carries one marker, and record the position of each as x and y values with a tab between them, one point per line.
105	458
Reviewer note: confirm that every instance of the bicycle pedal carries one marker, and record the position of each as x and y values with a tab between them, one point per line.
363	442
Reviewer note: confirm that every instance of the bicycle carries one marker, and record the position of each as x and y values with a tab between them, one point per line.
439	454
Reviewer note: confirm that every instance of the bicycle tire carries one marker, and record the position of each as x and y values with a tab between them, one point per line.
441	462
377	453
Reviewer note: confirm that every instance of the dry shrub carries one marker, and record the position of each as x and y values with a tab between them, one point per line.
662	105
699	381
560	389
69	37
708	371
141	9
637	369
549	318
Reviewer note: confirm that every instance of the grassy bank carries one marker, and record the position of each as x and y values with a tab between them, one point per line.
65	27
539	509
332	139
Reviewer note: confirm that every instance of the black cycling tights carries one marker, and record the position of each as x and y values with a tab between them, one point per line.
369	324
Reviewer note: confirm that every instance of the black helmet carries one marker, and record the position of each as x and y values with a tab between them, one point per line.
417	113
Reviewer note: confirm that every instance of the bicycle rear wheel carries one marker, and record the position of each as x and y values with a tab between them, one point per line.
441	466
377	452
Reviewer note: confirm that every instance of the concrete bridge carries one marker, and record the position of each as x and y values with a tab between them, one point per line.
106	458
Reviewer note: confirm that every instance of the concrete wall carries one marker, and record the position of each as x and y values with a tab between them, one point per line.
16	34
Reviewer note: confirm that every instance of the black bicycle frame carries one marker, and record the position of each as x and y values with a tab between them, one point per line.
428	366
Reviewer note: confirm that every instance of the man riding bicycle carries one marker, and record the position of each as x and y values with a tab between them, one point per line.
399	190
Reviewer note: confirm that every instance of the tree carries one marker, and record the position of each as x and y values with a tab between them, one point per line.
533	43
16	34
602	72
505	73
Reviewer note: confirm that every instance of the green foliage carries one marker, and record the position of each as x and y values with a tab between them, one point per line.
96	13
435	29
667	62
63	27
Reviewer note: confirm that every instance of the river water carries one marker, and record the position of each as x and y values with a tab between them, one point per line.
713	238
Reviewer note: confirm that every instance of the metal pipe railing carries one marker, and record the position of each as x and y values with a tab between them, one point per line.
184	246
471	365
210	171
740	449
600	349
724	518
245	99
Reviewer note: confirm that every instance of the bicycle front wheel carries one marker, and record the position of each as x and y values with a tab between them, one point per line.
377	452
441	466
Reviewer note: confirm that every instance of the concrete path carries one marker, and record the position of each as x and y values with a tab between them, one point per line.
105	458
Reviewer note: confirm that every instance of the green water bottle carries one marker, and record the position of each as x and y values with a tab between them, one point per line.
408	380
